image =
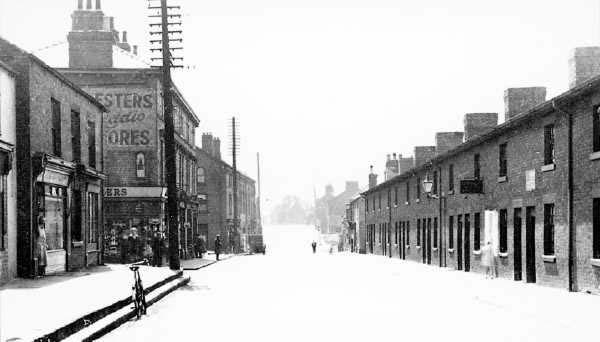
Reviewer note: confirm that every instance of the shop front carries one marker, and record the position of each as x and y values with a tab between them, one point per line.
133	216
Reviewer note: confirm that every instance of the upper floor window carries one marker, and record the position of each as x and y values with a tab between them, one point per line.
418	187
200	177
76	135
407	191
140	165
451	177
502	164
91	143
56	128
435	182
396	196
380	200
476	167
596	129
549	144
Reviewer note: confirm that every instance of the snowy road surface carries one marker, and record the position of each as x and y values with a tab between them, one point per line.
292	295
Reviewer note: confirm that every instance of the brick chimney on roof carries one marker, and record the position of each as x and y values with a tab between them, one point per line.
372	179
583	65
445	141
479	123
423	154
519	100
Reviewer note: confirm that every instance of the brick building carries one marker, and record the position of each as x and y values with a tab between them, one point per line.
216	190
134	138
8	178
530	186
356	221
59	162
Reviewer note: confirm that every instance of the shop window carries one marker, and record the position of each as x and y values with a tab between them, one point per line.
477	231
503	231
548	144
92	218
140	165
56	128
92	144
549	229
54	199
451	232
596	228
502	164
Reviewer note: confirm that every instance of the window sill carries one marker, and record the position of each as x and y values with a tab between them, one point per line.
407	246
450	192
450	250
595	262
503	255
477	252
595	155
77	243
548	167
418	247
434	249
502	179
549	258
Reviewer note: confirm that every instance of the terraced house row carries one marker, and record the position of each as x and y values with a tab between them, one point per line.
530	186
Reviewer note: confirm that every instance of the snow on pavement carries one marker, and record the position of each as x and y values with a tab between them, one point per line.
292	295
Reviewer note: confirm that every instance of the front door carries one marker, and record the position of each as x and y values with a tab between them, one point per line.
467	249
530	244
517	244
459	243
429	241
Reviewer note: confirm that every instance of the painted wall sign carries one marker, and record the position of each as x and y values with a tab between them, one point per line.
131	121
134	191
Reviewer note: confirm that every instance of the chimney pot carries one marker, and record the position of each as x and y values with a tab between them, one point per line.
80	4
98	5
88	4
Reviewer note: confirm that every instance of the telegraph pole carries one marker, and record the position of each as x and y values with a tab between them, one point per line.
258	199
169	135
234	147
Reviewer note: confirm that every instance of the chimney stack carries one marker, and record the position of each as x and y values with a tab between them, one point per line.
405	164
207	143
352	187
372	179
79	4
445	141
89	4
124	37
217	148
98	5
135	50
583	65
520	100
479	123
423	154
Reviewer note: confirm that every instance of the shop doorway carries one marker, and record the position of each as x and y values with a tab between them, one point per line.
467	249
459	243
517	244
429	241
530	244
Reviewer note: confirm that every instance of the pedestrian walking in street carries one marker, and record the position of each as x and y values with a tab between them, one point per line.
314	247
218	246
41	246
198	246
156	248
487	260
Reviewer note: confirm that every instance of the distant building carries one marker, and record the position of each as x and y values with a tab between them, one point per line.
331	209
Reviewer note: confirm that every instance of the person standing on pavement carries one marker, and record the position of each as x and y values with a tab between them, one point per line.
314	247
218	246
41	246
487	260
156	248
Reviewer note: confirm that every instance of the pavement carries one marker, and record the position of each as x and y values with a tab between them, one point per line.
31	308
291	294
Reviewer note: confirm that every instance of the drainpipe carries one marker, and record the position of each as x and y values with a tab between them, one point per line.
571	227
440	221
389	230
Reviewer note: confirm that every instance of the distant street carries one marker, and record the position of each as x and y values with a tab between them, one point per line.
292	295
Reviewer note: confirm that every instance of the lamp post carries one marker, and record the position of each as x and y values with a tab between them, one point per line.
428	188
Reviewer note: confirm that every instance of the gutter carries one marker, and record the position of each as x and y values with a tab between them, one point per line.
570	224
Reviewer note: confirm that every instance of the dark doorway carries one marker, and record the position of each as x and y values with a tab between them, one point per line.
403	240
459	242
424	240
517	244
467	249
530	244
429	241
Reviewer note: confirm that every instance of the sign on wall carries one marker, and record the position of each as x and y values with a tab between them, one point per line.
137	192
131	122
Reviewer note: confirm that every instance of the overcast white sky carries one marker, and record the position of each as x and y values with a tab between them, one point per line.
325	88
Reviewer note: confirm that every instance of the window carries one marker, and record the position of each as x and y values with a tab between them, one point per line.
373	203
502	171
76	135
408	233
3	211
596	229
477	232
202	203
548	144
140	165
407	192
389	198
396	233
56	132
418	232
596	129
380	201
503	231
435	183
367	204
451	232
200	177
418	188
476	167
451	177
92	144
549	229
396	196
76	229
435	232
92	217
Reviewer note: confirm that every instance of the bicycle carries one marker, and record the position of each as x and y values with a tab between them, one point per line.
137	296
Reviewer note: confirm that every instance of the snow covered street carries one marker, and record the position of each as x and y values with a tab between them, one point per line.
292	295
